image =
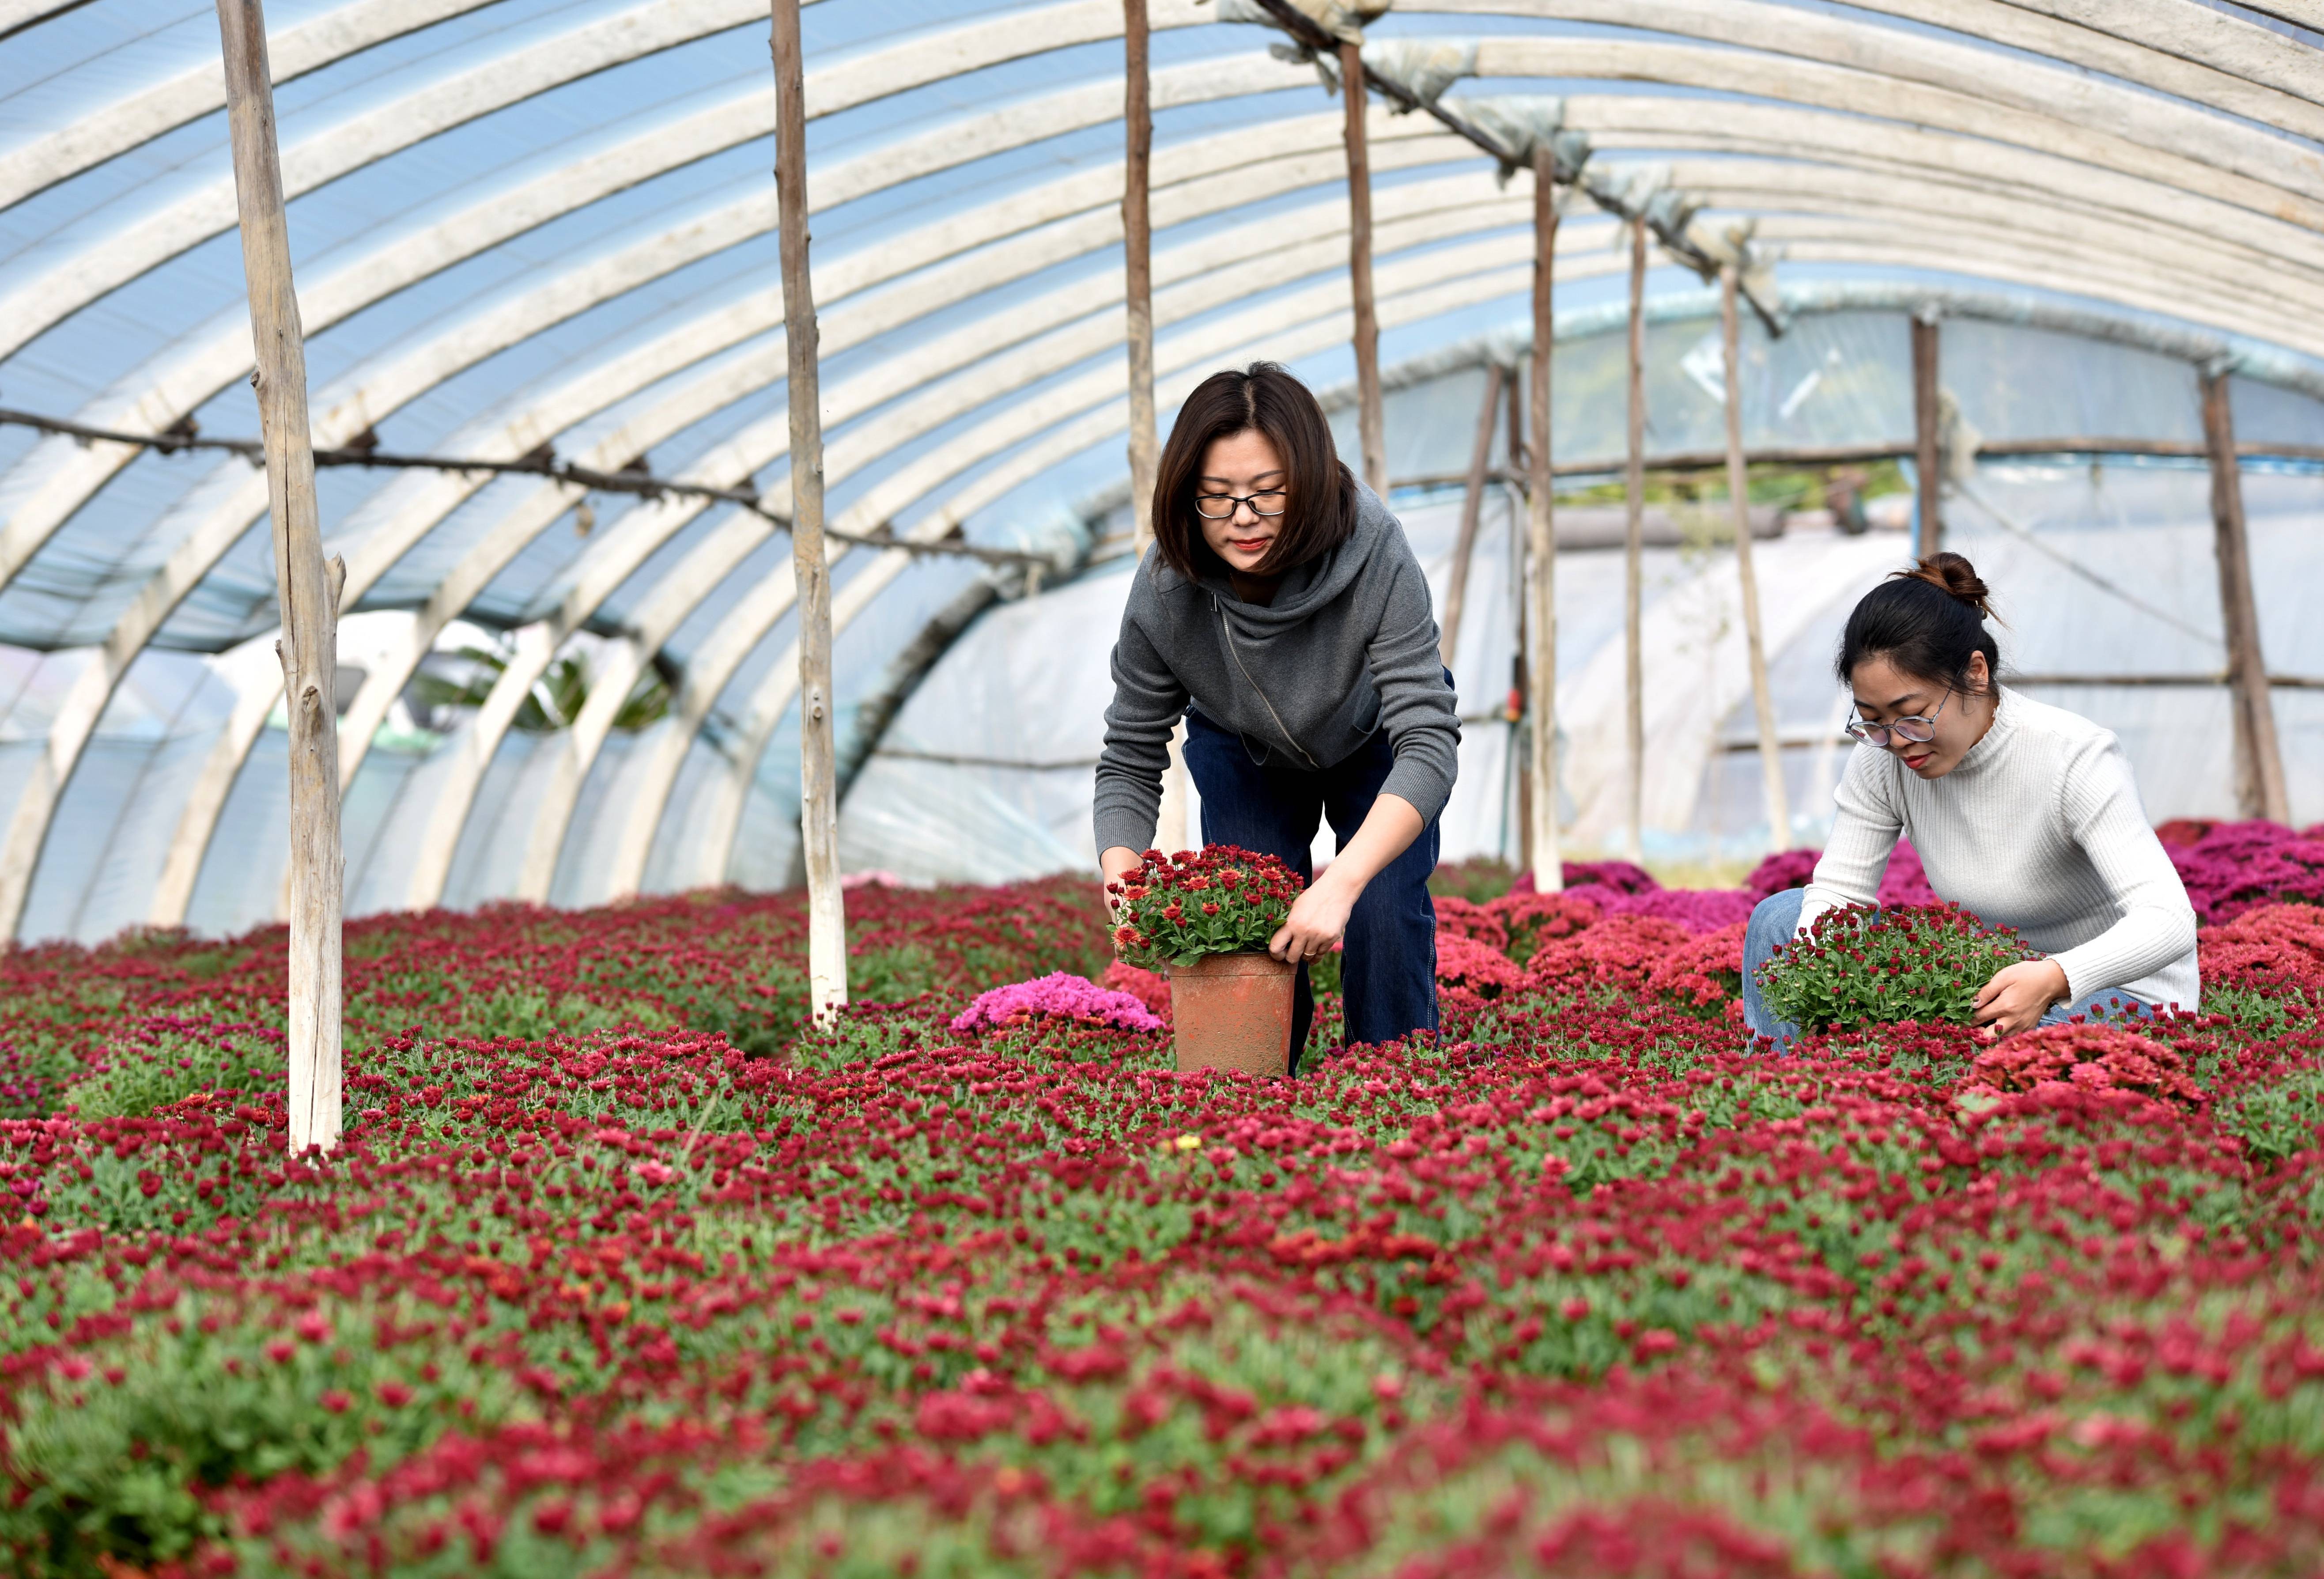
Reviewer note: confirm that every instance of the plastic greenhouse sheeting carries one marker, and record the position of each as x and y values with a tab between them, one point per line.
519	223
2101	569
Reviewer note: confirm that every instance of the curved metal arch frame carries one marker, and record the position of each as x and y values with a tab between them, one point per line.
2004	79
685	585
1748	22
61	475
187	95
358	736
548	503
1962	8
17	521
223	523
550	822
640	829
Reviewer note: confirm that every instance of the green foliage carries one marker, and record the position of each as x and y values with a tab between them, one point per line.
1862	966
2276	1118
129	1436
1480	879
165	1063
1324	972
860	1033
2256	1015
524	1013
556	698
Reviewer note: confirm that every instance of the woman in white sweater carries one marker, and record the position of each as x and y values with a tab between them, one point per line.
2024	813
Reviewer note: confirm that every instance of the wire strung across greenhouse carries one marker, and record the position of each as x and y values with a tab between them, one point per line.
588	479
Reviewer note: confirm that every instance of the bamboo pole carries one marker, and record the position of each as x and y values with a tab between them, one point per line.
826	948
1138	266
1633	570
2260	789
1370	430
1926	459
307	587
1472	503
1763	700
1540	800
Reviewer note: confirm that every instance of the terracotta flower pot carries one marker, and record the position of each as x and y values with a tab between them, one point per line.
1233	1011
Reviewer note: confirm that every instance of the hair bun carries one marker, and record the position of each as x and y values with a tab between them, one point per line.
1956	578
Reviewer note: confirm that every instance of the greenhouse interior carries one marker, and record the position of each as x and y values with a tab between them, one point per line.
548	229
1161	789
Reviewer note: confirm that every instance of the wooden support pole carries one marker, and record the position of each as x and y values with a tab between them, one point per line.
1369	428
1927	460
1763	700
307	586
1472	503
1138	277
826	934
1539	803
2260	789
1138	266
1634	702
1519	462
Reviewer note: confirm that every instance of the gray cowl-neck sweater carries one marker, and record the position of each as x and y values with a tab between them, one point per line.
1348	648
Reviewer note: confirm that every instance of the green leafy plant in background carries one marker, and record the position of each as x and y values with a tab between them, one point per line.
556	697
1858	965
2277	1119
1478	880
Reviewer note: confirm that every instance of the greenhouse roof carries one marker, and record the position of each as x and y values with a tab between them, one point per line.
534	228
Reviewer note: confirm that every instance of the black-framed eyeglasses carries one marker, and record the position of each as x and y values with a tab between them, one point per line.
1910	731
1219	506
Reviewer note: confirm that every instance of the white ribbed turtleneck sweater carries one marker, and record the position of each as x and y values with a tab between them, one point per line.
2038	828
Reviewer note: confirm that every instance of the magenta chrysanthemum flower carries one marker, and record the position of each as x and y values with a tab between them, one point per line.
1066	996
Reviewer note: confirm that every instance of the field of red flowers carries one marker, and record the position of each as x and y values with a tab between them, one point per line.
623	1269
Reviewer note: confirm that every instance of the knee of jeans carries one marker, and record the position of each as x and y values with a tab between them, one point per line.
1776	917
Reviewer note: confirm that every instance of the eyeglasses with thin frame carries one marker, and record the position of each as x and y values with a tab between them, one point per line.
1910	731
1219	506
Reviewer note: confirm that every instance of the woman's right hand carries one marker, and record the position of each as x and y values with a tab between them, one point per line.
1116	862
2018	996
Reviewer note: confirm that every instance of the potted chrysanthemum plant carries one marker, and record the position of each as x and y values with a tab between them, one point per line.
1203	918
1859	967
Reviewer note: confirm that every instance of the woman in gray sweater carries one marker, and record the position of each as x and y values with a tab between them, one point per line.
2024	813
1282	601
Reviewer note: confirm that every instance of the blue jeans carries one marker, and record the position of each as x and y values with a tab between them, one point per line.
1388	963
1776	917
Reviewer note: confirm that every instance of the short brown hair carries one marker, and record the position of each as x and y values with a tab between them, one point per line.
1262	398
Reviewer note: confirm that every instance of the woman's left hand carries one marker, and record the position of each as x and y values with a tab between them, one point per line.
1318	919
2019	995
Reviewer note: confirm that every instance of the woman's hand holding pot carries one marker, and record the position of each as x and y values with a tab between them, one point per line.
1319	916
1318	919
